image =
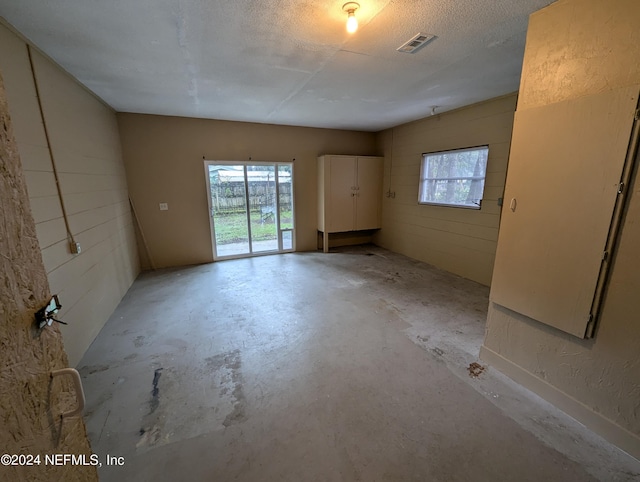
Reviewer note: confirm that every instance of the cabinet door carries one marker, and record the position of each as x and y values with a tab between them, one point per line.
564	168
368	192
342	193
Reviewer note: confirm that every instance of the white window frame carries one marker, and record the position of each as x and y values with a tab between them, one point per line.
422	189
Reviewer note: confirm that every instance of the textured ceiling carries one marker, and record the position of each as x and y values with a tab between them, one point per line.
282	61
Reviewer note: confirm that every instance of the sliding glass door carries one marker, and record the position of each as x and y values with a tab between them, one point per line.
251	207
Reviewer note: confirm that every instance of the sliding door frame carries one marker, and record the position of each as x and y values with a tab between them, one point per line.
279	230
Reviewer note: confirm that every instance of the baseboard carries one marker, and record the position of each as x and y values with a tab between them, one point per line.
604	427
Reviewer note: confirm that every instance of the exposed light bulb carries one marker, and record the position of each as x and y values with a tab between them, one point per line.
352	22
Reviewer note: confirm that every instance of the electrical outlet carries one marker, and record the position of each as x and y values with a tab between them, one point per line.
164	206
75	248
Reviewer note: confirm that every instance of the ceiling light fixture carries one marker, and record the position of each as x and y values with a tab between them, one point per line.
352	21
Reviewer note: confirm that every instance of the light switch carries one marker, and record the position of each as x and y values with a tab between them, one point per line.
164	206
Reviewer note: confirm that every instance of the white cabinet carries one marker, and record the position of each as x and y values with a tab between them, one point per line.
349	194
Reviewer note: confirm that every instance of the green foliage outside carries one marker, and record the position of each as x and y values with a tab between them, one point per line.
232	228
455	177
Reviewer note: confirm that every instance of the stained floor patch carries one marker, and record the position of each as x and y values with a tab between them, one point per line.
475	369
155	393
228	370
94	369
151	429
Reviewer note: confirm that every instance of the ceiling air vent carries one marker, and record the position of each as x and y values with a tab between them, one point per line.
413	44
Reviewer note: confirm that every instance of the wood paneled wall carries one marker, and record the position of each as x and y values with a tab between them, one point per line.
462	241
30	400
84	141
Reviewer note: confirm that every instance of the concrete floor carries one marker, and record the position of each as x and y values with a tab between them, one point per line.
352	365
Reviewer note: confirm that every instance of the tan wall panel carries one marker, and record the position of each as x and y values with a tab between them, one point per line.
576	48
65	104
102	239
46	208
76	288
85	220
584	61
443	224
466	216
68	276
88	270
565	183
492	193
21	92
462	241
72	161
51	232
34	157
164	161
40	183
55	256
500	157
84	201
85	144
96	304
447	241
494	179
77	182
467	263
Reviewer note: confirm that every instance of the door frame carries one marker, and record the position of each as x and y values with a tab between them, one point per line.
279	230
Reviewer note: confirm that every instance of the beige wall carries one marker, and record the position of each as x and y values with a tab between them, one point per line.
164	162
84	140
576	48
462	241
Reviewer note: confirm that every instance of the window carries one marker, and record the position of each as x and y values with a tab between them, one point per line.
454	178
